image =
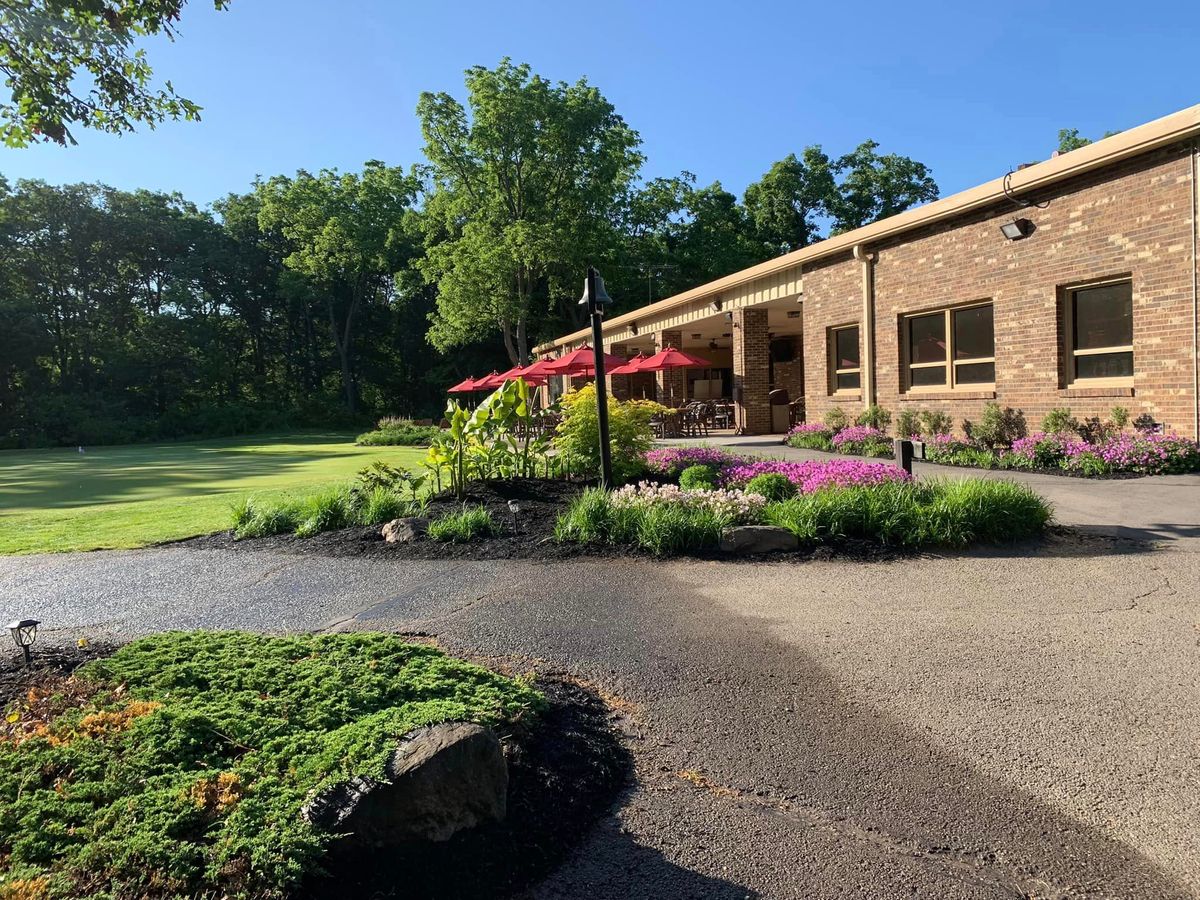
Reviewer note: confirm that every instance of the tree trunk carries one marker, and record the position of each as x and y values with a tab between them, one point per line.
522	341
509	346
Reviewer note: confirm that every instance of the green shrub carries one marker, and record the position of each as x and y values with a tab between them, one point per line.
464	525
698	478
1119	416
908	424
392	432
771	485
630	436
875	416
934	421
1060	421
836	419
326	510
807	437
996	427
927	514
177	767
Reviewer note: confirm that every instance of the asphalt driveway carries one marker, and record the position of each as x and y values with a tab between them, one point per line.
1019	723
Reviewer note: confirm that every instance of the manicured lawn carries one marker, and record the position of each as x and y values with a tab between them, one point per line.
130	496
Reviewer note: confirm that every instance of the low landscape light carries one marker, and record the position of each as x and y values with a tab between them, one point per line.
1017	229
515	508
24	633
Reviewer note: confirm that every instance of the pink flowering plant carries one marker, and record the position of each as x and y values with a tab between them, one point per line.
731	504
862	440
812	475
810	436
671	461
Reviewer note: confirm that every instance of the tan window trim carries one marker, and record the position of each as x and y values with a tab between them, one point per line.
834	372
1072	380
949	363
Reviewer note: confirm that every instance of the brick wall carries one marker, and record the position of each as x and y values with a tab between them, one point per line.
751	370
672	383
618	385
1134	221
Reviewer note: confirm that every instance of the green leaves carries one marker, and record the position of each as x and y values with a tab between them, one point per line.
48	48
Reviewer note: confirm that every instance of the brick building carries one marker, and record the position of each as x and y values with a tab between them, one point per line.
1087	298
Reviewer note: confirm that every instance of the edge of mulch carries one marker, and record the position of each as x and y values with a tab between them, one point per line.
49	660
564	773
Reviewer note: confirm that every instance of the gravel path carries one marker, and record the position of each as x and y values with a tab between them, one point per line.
1005	724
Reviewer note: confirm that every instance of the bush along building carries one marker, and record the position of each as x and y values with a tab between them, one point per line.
1069	282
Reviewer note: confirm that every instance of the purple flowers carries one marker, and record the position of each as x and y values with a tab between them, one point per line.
670	461
816	474
810	428
857	434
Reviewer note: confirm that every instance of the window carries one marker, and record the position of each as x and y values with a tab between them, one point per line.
844	368
1100	333
950	348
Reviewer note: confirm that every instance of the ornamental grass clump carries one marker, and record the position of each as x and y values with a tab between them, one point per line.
465	525
178	767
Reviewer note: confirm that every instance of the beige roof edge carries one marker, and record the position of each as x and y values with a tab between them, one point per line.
1109	151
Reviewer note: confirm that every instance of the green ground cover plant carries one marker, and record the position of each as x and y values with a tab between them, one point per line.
772	485
698	477
464	525
130	496
177	767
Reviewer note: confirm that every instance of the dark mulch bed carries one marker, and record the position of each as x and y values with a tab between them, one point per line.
542	502
48	659
564	773
562	777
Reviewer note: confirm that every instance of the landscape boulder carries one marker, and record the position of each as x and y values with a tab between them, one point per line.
401	531
441	780
757	539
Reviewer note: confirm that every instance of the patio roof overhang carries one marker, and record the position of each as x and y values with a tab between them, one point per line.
781	278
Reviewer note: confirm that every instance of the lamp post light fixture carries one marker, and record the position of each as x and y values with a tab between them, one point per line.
24	633
595	298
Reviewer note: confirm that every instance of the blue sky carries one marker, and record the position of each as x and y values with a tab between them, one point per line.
971	89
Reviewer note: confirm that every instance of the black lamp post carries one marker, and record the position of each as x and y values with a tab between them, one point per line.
596	298
24	633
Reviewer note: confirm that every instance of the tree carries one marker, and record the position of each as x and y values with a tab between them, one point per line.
350	234
525	183
716	237
874	186
51	49
1070	139
787	204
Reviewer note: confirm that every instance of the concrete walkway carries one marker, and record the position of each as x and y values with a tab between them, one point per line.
1157	508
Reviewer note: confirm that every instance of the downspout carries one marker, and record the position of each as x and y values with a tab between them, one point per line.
1195	300
867	365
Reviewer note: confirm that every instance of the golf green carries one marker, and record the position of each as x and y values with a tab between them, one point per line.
130	496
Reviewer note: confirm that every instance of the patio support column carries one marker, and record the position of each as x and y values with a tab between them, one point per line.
618	385
751	371
672	383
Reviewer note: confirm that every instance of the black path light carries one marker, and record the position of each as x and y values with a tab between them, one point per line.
24	633
595	298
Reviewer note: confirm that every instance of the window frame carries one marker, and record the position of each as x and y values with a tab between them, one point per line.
832	360
1070	354
949	363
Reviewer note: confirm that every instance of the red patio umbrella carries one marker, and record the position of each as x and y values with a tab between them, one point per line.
580	362
631	366
463	387
489	382
670	358
538	368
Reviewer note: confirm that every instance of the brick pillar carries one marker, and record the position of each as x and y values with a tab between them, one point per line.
672	383
618	385
751	371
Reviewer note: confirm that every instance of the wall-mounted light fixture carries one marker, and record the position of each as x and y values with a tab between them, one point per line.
633	328
729	317
715	306
1017	229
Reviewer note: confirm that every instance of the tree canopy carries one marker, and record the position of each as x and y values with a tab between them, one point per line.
73	63
324	298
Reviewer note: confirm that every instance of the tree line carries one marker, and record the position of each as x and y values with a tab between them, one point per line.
324	298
